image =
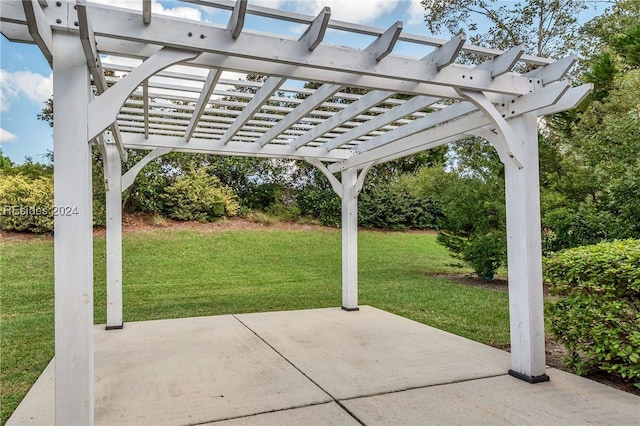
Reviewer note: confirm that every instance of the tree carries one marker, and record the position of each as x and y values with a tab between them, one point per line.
594	194
546	27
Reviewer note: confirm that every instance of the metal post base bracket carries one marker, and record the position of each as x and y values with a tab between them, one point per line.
350	309
114	327
529	379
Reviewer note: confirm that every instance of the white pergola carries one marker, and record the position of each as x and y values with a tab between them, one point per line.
177	94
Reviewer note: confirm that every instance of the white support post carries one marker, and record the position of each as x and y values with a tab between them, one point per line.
524	255
73	236
350	240
113	183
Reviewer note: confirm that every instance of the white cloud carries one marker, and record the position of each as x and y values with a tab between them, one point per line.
6	136
24	84
416	12
179	12
358	11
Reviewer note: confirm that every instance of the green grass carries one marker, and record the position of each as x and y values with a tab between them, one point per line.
170	274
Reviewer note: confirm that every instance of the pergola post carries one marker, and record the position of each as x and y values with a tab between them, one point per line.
524	255
350	240
73	236
113	181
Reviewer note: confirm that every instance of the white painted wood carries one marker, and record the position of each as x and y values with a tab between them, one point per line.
384	44
336	185
524	253
571	99
349	240
94	63
207	89
236	21
360	29
502	63
103	110
314	34
113	184
447	53
412	105
416	126
130	175
280	50
137	141
401	152
73	236
317	98
466	124
268	88
38	27
146	12
511	140
355	108
145	106
554	71
450	128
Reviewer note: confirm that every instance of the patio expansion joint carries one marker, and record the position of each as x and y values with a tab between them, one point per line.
277	410
453	382
301	372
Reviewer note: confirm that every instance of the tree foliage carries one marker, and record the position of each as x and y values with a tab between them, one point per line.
546	27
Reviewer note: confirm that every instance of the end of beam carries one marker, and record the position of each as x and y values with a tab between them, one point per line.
315	33
146	12
236	22
447	53
503	63
554	71
39	28
572	98
384	44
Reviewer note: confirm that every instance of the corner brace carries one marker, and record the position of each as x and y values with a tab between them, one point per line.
506	140
336	185
104	109
130	175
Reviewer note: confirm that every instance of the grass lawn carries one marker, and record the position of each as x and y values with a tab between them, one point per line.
182	273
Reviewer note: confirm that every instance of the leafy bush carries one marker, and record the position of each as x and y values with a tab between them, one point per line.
394	206
320	202
26	205
198	196
484	252
597	315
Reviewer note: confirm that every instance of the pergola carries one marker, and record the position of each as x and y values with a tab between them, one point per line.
178	96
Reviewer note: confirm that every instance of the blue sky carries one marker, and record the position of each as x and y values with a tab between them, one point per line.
25	76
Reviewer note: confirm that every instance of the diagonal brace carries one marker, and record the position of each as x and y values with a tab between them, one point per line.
512	142
88	40
104	109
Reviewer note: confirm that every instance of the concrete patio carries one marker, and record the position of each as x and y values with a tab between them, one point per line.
317	367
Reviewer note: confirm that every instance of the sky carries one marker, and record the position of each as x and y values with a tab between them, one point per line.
26	78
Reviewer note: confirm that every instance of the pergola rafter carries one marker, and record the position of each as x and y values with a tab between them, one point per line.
176	88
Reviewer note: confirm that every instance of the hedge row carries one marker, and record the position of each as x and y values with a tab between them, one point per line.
26	204
597	314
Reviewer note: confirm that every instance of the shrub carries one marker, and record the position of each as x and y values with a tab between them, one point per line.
597	315
485	253
198	196
394	206
320	203
26	205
